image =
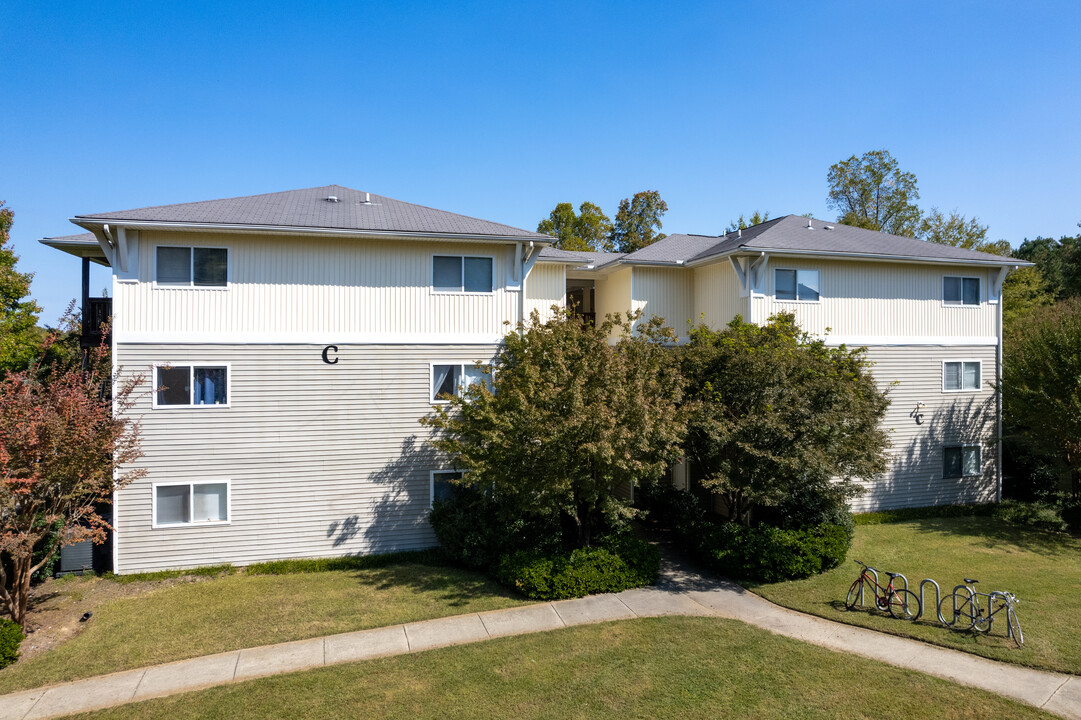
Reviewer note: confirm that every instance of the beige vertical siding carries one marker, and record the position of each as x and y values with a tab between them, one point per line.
870	300
545	286
287	286
613	292
323	459
716	295
667	293
912	375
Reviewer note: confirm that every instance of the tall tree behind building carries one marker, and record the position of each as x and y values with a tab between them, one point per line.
19	335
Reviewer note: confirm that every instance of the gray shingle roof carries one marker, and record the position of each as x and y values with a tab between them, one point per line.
790	233
598	259
309	208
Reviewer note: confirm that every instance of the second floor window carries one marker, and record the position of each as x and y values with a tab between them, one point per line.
961	375
960	290
178	385
796	285
461	273
192	266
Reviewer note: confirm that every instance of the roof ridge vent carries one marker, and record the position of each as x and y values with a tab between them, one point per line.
332	198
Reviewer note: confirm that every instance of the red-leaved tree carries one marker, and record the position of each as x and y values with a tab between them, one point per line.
63	451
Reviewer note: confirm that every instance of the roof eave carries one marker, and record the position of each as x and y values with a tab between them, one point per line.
90	223
91	251
871	257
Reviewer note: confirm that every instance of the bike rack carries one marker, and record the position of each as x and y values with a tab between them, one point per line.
873	572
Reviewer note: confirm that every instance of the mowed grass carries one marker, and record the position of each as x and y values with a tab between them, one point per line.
1042	569
650	668
238	611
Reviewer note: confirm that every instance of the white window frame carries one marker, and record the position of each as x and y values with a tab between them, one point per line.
431	275
192	364
191	503
190	285
431	483
979	384
796	299
962	446
431	378
962	304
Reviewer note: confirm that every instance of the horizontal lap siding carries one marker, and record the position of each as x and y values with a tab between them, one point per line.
323	459
914	374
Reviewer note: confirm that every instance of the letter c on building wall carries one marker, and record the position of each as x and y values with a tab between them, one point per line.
326	355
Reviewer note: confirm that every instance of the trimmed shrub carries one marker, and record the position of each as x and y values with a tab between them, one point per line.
474	530
1071	515
11	636
625	563
920	513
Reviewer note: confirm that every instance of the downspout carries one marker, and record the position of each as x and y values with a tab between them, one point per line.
1000	283
526	262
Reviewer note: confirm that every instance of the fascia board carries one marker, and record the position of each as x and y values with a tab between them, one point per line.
92	223
868	257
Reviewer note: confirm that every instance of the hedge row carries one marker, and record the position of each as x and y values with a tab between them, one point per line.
623	564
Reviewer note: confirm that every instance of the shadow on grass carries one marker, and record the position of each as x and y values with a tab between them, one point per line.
455	587
997	532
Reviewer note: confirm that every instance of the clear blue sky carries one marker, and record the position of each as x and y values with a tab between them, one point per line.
500	111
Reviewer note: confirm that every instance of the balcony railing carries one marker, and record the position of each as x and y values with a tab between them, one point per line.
96	312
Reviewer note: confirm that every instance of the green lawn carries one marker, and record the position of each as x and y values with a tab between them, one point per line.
237	611
651	668
1042	569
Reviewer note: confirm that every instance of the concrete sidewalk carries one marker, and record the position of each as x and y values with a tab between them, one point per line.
680	592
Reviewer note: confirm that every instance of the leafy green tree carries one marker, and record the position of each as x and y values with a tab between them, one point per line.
637	221
872	192
756	218
568	418
1059	262
1023	291
1041	383
774	413
587	230
19	334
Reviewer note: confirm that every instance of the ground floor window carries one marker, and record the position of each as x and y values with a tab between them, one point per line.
452	379
442	484
191	503
178	385
961	461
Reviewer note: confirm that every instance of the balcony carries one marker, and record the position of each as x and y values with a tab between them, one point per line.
96	311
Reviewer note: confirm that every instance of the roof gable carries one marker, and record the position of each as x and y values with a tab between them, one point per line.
310	208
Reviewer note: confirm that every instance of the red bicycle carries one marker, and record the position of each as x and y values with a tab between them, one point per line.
901	603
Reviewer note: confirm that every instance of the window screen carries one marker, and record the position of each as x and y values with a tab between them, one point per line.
174	385
784	282
443	486
210	267
174	265
796	285
173	504
478	274
961	461
962	375
961	290
446	273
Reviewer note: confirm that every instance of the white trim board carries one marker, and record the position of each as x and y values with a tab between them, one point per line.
944	340
320	338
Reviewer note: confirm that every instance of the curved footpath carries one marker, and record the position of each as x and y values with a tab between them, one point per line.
681	591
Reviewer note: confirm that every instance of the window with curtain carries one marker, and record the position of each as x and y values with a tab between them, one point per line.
960	290
796	285
961	461
191	503
451	379
192	266
179	385
961	375
460	273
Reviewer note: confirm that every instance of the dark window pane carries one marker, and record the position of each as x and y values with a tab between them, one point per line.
174	265
210	386
211	266
174	385
784	284
951	289
446	273
442	487
972	291
478	274
951	462
808	284
173	502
